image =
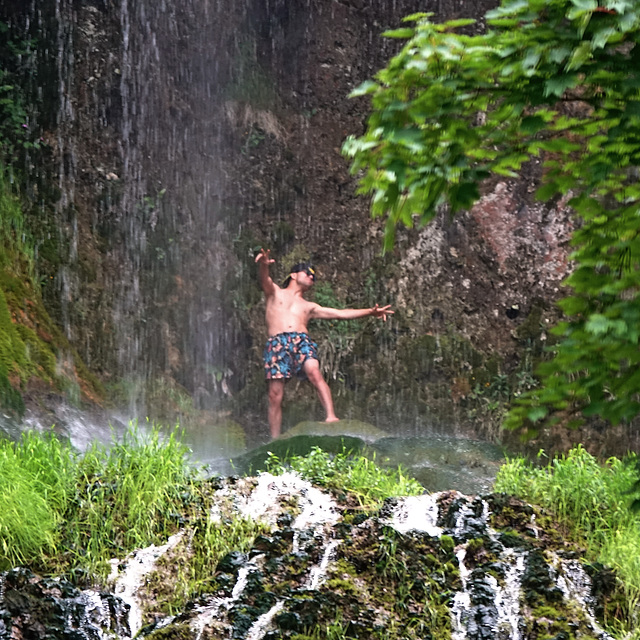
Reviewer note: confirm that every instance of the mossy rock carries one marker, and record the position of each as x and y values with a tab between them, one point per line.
283	448
352	428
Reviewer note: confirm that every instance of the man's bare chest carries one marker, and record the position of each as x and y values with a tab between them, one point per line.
290	306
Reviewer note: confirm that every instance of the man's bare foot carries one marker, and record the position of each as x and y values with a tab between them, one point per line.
333	419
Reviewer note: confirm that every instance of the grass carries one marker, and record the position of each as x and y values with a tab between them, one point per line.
188	572
36	482
61	512
359	475
594	502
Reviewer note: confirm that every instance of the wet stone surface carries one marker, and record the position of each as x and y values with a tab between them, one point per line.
475	568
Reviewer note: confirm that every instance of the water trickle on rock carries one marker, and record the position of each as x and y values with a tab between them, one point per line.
485	576
416	513
318	512
127	577
34	607
489	607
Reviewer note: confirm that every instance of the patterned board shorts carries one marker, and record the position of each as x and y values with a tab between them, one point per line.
286	353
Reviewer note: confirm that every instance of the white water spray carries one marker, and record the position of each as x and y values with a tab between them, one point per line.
136	567
318	512
416	513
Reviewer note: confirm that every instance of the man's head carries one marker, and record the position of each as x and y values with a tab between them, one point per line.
301	267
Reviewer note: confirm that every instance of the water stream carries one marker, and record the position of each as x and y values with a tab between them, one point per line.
488	608
128	577
497	573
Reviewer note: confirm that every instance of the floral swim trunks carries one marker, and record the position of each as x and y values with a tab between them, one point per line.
286	353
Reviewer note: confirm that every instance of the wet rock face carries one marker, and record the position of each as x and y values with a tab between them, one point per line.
35	608
439	566
427	567
182	137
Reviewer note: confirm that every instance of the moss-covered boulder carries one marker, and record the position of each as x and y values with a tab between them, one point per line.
351	428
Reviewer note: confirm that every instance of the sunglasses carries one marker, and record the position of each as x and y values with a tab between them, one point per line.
311	273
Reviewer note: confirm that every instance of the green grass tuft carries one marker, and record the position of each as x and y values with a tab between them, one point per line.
36	480
593	501
60	511
360	476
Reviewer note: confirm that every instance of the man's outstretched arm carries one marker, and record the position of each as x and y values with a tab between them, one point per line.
264	278
327	313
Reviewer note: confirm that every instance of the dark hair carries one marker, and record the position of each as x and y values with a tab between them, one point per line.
301	266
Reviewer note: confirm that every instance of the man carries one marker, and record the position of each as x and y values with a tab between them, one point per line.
289	349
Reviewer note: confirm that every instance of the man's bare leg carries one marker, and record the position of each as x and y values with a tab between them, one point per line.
312	370
276	393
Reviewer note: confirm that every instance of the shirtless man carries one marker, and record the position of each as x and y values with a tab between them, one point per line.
289	349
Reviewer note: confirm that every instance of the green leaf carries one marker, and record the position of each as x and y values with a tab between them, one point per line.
557	85
451	108
404	32
367	87
598	324
580	55
532	124
547	191
460	22
463	196
537	413
411	138
602	36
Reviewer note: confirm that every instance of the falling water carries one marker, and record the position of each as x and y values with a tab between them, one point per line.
148	124
318	513
486	608
416	513
576	585
498	571
208	613
128	577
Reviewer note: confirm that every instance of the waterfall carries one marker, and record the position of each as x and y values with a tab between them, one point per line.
317	513
485	607
494	583
128	577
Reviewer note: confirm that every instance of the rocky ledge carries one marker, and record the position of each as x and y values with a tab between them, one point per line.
439	566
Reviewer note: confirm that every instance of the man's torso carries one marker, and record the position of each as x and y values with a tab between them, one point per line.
287	312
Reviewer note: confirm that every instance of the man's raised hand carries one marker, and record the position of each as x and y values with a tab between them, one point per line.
263	256
382	312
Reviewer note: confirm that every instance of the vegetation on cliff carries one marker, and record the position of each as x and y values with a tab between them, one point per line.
32	346
593	502
547	82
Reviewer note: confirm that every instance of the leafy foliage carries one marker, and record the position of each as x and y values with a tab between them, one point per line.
17	130
557	80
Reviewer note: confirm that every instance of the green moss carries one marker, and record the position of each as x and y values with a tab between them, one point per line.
447	543
531	328
39	353
13	353
298	253
37	340
344	587
10	398
174	632
250	83
282	235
